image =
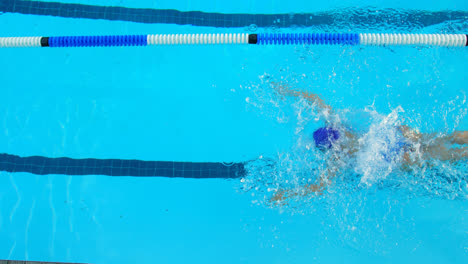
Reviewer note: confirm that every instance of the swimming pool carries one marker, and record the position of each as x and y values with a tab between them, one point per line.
216	104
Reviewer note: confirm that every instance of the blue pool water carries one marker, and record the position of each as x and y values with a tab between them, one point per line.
217	103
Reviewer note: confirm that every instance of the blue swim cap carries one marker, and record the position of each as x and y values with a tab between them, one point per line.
324	137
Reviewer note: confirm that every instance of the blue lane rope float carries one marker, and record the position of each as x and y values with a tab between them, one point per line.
119	167
384	39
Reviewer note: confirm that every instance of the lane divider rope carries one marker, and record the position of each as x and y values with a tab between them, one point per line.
375	39
41	165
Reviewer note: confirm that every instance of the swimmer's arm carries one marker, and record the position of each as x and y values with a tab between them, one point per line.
314	98
307	189
282	194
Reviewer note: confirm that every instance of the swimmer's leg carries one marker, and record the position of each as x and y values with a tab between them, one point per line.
460	154
442	153
459	137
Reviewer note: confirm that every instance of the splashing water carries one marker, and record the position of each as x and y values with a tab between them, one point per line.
375	166
371	197
376	158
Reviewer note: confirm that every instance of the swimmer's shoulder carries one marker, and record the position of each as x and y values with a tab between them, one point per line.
409	133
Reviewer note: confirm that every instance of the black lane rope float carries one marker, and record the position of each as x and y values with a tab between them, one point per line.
121	167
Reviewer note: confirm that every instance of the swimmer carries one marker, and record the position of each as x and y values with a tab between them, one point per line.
345	142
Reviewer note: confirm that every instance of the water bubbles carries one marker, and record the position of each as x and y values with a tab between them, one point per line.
294	27
274	28
252	28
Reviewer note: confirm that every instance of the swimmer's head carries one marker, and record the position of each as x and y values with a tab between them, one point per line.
325	137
